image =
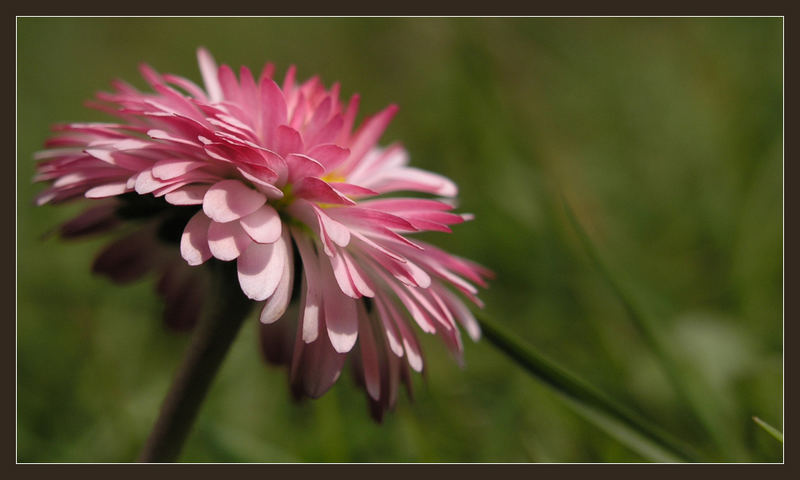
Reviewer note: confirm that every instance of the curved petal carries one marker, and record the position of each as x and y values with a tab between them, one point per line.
341	317
194	240
263	225
260	269
227	240
275	307
230	200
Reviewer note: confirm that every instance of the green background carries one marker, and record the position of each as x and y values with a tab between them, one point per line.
664	135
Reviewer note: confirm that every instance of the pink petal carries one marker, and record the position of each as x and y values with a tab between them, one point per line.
189	195
275	307
249	91
227	240
168	169
410	344
329	132
369	218
332	230
229	85
392	336
351	189
147	183
342	277
107	190
330	156
315	189
208	68
318	120
255	175
349	276
414	179
311	302
187	85
361	281
287	140
260	269
273	110
230	200
194	240
340	317
370	131
463	314
263	225
301	166
349	119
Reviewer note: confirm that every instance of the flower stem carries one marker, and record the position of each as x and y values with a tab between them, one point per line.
209	344
588	400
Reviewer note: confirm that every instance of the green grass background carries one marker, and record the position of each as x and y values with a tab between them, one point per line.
664	135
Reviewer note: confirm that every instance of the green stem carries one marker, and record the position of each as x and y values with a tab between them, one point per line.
589	401
210	343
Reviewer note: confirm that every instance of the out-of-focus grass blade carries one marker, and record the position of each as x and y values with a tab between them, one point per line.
769	428
617	420
685	379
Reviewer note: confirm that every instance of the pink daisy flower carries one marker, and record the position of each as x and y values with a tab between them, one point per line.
276	178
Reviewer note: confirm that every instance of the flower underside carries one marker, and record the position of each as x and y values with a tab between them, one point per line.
276	178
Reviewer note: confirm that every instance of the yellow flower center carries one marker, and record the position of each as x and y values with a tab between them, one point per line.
333	178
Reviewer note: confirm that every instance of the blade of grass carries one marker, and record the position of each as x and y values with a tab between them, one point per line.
619	421
684	378
769	429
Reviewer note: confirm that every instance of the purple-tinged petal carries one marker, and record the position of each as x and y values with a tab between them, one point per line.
126	259
316	366
93	220
369	354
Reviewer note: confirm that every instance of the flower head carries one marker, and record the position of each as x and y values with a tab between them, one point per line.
276	178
